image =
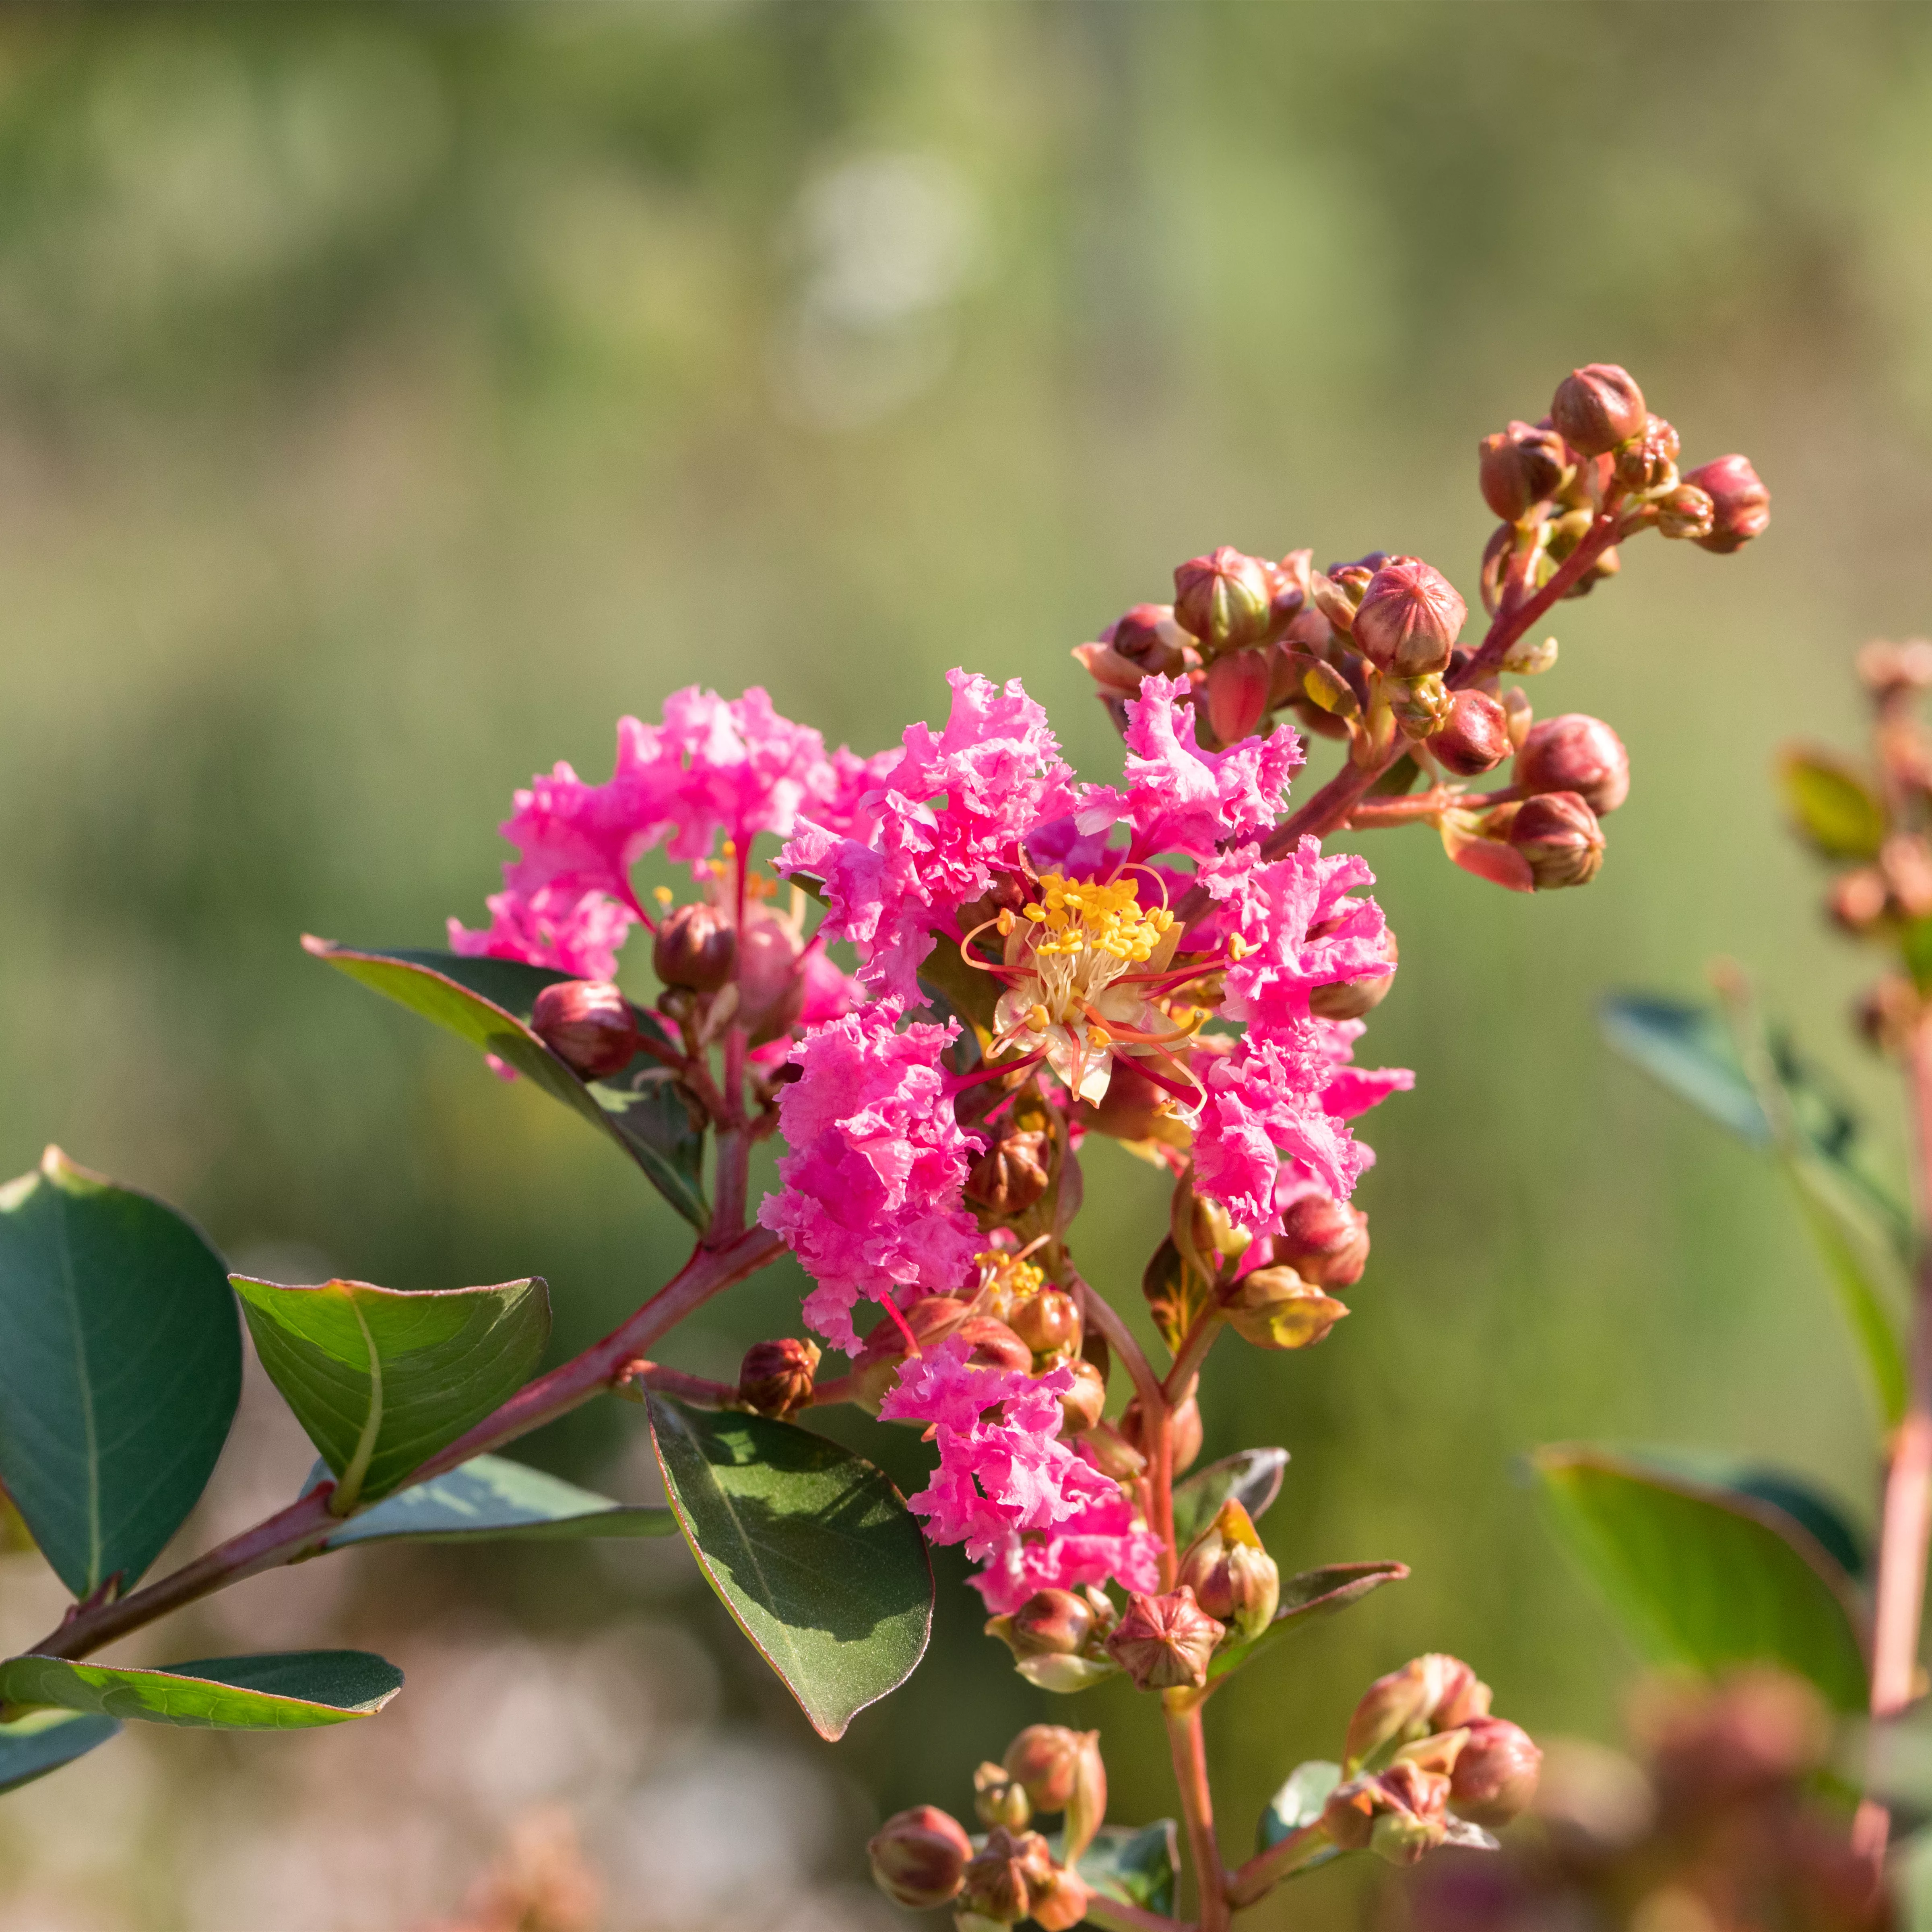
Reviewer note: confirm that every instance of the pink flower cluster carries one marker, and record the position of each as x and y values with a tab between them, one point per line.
1032	1511
713	767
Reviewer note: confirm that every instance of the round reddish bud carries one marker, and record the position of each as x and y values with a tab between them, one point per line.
776	1379
1741	503
1649	461
994	1345
588	1024
1686	512
1476	738
1558	836
1575	753
1085	1402
1050	1623
1521	467
1409	618
1225	600
919	1857
1238	689
1323	1240
696	947
1597	407
1149	639
1857	899
1232	1577
1350	999
1011	1175
1184	1427
1164	1643
771	988
1062	1901
1495	1772
999	1799
1048	1322
995	1883
1045	1759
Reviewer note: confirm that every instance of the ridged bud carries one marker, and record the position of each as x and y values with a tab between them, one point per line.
1061	1901
1045	1759
1476	738
1399	1814
919	1857
1597	407
1050	1623
1575	752
1226	599
776	1379
1164	1643
1238	689
1421	706
1649	461
696	947
1086	1401
1274	1308
1741	503
999	1799
1233	1577
1495	1773
997	1882
1146	640
1686	513
1325	1240
1184	1431
1048	1322
1521	467
588	1024
1429	1694
1558	836
1011	1175
1408	618
1350	999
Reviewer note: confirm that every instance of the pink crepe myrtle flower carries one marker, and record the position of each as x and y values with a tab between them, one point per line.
1019	1499
872	1198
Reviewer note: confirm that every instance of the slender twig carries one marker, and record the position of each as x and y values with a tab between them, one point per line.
1099	1313
1190	1773
700	1391
293	1531
1194	1347
1118	1916
1265	1869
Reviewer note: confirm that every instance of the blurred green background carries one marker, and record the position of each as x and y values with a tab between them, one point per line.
391	396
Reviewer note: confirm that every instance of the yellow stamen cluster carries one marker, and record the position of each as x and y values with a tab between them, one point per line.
1075	916
1006	1281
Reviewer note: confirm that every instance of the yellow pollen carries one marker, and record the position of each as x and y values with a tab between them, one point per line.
1082	915
1004	922
662	894
1038	1017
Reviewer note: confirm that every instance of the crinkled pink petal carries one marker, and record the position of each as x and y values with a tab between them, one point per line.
570	932
1102	1543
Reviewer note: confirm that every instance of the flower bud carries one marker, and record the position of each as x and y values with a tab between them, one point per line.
1184	1428
1045	1759
1421	705
1686	512
1323	1240
1232	1577
1048	1322
1148	638
1086	1803
1050	1623
1226	600
588	1024
1061	1901
1857	899
1575	753
1557	835
1350	999
1086	1401
1741	502
1597	407
1238	689
696	947
1000	1799
1495	1772
996	1883
1521	467
919	1857
1011	1175
1274	1308
994	1345
1888	1014
1408	618
1525	658
1398	1814
1166	1642
1649	461
1429	1693
776	1377
1475	739
1336	591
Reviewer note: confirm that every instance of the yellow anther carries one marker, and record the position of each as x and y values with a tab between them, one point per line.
662	894
1038	1018
1004	923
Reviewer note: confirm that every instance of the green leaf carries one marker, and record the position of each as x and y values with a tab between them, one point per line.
1064	1676
1136	1866
382	1379
810	1548
120	1368
284	1690
1313	1595
488	1002
1299	1802
1251	1477
1832	806
1689	1050
489	1498
44	1741
1867	1310
1705	1575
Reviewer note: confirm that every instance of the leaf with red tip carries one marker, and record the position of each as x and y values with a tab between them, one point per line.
1314	1594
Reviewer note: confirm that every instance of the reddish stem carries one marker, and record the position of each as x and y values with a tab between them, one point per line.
1190	1773
1265	1869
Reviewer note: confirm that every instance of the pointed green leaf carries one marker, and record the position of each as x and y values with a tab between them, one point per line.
1136	1866
1707	1576
810	1548
381	1378
1305	1599
120	1368
1299	1803
1064	1675
1252	1478
1832	805
43	1740
488	1002
1867	1310
489	1498
1688	1048
284	1690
